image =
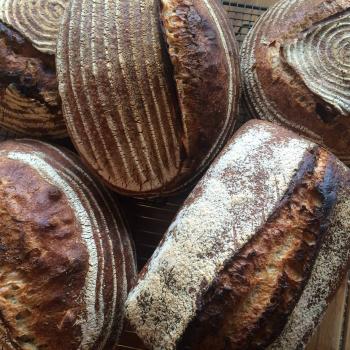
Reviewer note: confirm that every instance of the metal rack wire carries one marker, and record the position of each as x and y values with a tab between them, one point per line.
243	15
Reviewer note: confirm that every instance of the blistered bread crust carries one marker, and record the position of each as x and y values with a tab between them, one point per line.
261	186
251	298
65	253
295	69
147	113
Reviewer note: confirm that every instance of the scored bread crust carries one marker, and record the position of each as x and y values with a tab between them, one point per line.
136	101
29	99
295	70
66	252
233	216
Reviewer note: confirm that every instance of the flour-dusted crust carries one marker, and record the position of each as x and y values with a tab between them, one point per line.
325	277
295	68
29	99
37	20
266	184
150	89
66	252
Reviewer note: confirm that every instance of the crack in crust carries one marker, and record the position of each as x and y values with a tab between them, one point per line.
249	302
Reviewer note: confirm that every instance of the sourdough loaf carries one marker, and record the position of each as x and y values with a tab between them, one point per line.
295	68
149	89
66	260
29	98
255	253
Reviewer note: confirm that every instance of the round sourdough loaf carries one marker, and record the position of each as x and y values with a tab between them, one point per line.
296	70
66	259
149	88
29	98
256	252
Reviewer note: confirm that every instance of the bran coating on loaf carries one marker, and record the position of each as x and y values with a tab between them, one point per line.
250	300
295	70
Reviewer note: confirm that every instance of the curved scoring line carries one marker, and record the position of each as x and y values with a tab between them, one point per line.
159	166
92	63
303	56
257	102
35	160
112	215
114	101
35	28
307	61
135	118
335	61
164	120
77	63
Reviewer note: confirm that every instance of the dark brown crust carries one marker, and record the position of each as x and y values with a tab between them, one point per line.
149	147
56	272
271	269
302	110
41	252
200	68
32	75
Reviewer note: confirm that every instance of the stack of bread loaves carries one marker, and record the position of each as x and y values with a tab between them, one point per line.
148	92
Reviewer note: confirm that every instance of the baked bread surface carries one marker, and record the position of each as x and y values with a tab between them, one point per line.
295	70
150	89
66	258
236	268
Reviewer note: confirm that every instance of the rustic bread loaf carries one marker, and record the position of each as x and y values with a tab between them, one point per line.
255	253
29	98
295	67
150	89
66	258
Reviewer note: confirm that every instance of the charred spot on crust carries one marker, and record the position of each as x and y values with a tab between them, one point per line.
250	300
27	70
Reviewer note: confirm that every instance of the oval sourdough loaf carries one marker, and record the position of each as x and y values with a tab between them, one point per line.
29	98
149	88
66	259
255	253
296	70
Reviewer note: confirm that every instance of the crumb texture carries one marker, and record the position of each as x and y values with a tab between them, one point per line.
218	219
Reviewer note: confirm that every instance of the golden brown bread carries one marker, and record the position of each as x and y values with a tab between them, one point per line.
65	255
255	253
150	89
29	98
295	69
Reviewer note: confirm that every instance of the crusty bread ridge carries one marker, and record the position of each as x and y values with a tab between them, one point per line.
65	252
295	70
29	100
147	112
254	224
